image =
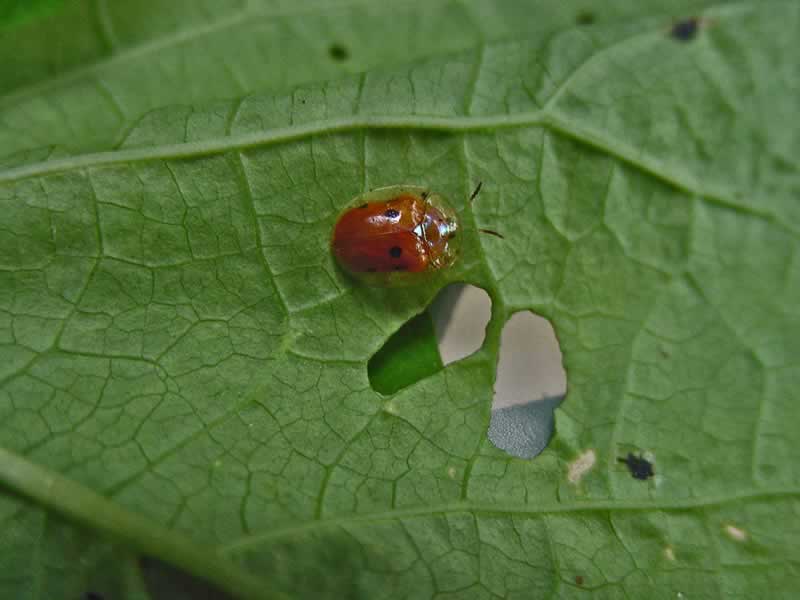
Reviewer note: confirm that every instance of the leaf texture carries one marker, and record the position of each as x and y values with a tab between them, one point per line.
181	353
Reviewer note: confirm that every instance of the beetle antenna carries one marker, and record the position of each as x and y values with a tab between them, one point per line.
476	192
494	233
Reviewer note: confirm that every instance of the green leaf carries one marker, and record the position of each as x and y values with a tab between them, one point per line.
16	12
184	369
83	79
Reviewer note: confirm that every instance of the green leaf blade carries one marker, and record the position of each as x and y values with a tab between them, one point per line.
180	342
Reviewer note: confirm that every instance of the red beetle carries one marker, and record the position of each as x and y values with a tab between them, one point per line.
394	234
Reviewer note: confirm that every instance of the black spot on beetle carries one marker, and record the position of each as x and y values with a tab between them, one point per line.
640	467
338	52
585	17
392	213
400	267
395	251
686	30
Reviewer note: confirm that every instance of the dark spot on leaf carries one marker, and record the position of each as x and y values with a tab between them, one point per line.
395	251
392	213
338	52
640	467
364	206
585	17
686	30
93	596
579	579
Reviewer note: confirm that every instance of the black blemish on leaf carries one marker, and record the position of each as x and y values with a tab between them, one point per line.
585	17
338	52
395	251
93	596
392	213
579	579
640	467
686	30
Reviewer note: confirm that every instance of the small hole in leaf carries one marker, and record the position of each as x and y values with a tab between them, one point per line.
585	17
449	330
338	52
531	383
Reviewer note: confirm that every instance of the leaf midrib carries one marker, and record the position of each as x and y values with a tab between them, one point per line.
80	504
524	510
674	176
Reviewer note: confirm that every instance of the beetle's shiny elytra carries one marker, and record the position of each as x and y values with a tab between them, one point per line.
393	235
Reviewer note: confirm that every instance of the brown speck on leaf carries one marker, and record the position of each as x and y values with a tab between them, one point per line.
686	30
338	52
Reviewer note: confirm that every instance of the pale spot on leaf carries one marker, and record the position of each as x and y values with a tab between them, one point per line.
581	465
735	533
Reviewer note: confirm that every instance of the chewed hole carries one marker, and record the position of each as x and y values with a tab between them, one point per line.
453	327
406	357
531	383
460	314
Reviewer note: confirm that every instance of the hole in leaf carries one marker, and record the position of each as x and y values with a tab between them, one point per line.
338	52
453	327
460	313
408	356
531	383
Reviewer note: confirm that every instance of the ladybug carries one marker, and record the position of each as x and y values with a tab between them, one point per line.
395	234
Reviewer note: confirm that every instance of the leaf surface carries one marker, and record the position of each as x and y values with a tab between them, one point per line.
186	368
